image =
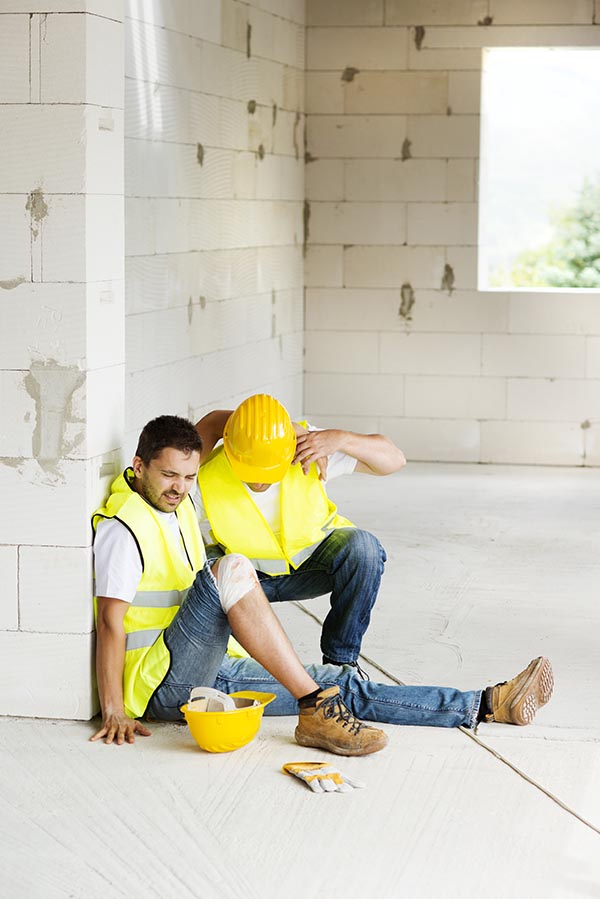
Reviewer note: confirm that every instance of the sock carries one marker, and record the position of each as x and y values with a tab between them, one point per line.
306	701
485	707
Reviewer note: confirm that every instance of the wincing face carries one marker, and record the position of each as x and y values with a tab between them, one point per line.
167	479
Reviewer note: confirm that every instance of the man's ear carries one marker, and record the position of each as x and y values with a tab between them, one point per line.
137	466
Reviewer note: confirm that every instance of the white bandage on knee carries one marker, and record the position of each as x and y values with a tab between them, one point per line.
235	577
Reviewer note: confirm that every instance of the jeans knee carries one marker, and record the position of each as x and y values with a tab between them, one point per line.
362	549
365	548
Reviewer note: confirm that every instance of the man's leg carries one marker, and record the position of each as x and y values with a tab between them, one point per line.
511	702
197	640
348	565
367	700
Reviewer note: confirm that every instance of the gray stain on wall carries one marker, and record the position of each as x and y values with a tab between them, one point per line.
37	207
448	279
408	301
12	283
52	387
306	223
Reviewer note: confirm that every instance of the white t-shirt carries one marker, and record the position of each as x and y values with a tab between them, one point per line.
117	562
268	501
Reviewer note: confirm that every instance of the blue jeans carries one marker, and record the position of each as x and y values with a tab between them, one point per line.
197	638
348	564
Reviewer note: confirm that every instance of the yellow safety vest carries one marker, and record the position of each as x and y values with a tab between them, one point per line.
307	516
165	581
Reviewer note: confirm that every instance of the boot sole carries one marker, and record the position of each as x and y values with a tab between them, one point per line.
535	692
315	743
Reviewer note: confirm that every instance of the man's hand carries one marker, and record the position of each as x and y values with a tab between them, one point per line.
374	453
119	729
316	446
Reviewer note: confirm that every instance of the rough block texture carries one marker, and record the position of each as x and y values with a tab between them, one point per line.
214	154
61	340
393	106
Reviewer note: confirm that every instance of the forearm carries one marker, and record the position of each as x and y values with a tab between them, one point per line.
375	453
110	662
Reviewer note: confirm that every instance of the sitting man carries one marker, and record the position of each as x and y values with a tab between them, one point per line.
165	614
257	502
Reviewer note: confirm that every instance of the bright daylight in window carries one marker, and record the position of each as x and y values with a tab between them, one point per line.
539	191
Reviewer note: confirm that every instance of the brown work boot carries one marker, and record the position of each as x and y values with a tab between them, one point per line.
516	701
328	724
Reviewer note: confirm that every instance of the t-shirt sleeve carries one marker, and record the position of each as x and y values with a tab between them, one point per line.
203	522
117	562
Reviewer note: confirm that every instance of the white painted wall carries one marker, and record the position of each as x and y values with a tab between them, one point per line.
214	151
61	337
463	376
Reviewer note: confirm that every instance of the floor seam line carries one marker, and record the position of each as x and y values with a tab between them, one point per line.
472	736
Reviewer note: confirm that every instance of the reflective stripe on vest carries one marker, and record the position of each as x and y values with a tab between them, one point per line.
141	639
160	599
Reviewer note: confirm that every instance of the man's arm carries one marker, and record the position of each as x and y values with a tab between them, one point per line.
375	454
210	430
110	661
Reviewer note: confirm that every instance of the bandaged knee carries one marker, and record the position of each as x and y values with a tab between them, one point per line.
235	577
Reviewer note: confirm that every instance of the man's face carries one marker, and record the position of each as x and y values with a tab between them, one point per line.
168	478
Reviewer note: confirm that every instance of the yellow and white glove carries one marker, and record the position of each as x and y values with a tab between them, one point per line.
322	777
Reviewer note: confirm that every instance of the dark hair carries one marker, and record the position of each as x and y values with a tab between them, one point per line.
167	431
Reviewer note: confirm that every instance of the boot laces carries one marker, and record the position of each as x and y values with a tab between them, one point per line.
333	707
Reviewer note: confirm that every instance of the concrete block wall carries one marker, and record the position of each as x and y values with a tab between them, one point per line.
214	181
398	338
61	337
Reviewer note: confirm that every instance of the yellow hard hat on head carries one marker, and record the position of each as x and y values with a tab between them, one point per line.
260	440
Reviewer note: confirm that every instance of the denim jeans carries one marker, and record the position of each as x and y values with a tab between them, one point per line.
197	639
348	564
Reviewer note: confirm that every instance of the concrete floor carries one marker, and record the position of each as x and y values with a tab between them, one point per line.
488	567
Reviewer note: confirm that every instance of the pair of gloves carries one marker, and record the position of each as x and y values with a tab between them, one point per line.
321	777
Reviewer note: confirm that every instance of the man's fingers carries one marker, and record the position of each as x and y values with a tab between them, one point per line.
142	730
121	731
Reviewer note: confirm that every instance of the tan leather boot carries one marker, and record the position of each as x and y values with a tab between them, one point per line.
516	701
330	725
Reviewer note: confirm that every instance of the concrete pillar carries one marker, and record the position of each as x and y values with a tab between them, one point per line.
61	337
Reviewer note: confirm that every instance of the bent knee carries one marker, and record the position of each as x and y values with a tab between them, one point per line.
235	578
366	545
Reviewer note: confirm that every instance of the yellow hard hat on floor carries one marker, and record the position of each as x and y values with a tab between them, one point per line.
260	440
221	722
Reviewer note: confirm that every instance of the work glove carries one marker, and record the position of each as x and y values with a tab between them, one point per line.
322	777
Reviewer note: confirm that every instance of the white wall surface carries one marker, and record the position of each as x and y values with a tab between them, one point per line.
61	338
450	373
214	180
